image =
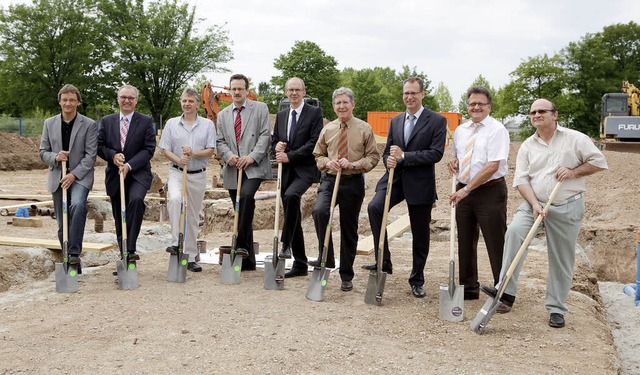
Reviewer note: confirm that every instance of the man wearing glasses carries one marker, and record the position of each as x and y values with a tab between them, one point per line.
243	143
415	143
294	136
127	141
480	151
553	154
70	137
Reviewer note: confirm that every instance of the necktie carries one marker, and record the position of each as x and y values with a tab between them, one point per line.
343	146
408	128
238	125
123	132
294	123
465	166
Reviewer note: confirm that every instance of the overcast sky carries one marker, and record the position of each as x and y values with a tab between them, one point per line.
452	41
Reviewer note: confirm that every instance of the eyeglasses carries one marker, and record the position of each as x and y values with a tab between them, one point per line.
541	111
68	101
132	98
473	105
341	102
295	91
410	93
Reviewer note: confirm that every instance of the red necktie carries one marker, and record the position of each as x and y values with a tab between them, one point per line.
342	145
238	125
123	132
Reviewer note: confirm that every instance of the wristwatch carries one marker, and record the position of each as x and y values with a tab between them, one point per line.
353	165
465	190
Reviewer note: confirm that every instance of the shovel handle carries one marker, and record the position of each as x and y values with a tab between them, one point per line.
237	204
383	229
183	211
65	214
123	208
527	240
452	232
278	187
327	232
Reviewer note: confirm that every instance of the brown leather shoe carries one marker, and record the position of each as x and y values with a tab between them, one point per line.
503	309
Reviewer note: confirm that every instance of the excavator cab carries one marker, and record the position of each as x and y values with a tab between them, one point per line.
284	103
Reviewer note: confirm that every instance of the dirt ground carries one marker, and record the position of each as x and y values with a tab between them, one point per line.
203	326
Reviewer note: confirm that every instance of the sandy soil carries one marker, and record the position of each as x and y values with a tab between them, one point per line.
203	326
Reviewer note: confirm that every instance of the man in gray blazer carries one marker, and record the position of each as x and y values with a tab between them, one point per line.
70	137
243	143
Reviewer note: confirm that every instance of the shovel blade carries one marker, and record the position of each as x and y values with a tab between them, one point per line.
451	307
231	267
177	272
273	276
479	323
375	288
127	274
66	280
318	283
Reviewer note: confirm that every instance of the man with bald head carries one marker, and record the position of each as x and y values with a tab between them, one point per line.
553	154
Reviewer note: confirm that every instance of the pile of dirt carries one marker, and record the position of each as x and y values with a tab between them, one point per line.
19	153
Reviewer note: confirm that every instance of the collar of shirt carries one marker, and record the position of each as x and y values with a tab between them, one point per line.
195	122
417	114
559	129
244	105
298	110
70	122
129	117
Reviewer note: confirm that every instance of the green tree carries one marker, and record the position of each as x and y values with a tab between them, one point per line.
48	44
160	49
270	95
317	69
598	64
429	100
443	97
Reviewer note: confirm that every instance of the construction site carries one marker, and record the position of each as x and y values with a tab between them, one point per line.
203	326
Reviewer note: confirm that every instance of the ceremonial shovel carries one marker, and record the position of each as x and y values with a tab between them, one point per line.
232	263
66	274
452	296
127	270
177	272
274	267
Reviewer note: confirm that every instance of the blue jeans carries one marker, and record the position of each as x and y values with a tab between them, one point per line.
77	215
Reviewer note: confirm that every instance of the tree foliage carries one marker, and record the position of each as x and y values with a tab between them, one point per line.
444	99
159	49
318	70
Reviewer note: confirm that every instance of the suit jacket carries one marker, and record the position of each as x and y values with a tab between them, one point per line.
300	149
82	150
415	174
138	149
254	141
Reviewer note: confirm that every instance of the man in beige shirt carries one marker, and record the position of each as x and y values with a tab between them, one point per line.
359	156
553	154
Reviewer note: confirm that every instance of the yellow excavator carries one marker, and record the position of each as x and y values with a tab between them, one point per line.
620	119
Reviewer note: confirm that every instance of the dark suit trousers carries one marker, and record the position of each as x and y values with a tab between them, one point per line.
292	235
484	209
245	218
419	217
349	199
134	199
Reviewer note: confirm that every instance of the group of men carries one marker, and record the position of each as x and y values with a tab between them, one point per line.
310	152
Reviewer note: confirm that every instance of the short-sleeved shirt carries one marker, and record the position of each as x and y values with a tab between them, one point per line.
538	162
491	144
200	136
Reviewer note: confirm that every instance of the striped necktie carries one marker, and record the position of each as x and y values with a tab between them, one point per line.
465	166
238	125
123	131
343	146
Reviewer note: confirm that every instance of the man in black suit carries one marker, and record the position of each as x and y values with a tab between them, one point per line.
294	136
415	143
127	141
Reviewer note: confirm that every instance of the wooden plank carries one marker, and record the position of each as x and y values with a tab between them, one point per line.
33	222
4	210
50	244
395	229
25	197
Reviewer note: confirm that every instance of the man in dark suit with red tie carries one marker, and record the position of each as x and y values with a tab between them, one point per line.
127	141
415	143
294	136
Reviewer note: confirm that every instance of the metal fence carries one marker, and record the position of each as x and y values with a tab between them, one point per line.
26	127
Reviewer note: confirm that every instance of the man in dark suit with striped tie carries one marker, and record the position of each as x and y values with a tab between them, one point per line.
127	141
415	143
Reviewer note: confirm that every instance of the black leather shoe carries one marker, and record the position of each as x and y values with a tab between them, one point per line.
316	264
295	272
173	250
386	267
418	291
506	299
346	286
242	252
194	267
556	320
74	259
285	253
132	257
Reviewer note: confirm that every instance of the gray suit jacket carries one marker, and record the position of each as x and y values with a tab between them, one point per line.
254	142
83	146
